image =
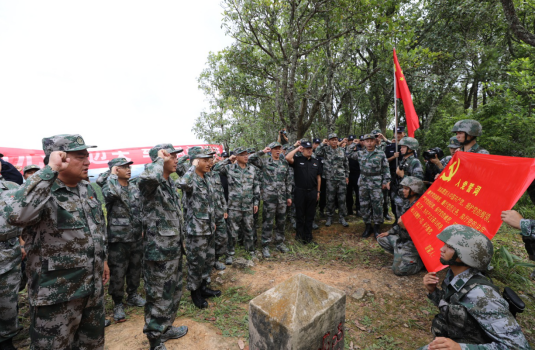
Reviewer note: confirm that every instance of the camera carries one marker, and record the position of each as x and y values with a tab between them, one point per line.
430	154
283	132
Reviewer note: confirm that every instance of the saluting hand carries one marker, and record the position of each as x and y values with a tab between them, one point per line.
58	161
232	158
114	170
164	155
195	162
267	150
301	149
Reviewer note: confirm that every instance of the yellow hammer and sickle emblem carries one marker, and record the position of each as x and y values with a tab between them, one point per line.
452	170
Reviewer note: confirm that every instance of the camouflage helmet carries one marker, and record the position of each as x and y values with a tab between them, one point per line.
410	142
473	248
454	143
469	126
414	183
375	132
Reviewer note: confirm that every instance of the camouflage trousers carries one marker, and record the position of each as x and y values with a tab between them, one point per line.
406	258
200	256
241	221
221	237
255	226
274	209
371	199
398	201
124	261
74	324
9	296
336	189
163	289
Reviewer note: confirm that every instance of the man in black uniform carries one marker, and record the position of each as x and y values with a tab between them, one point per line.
307	175
354	173
391	155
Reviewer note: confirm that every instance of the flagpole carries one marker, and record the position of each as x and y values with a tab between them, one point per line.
396	112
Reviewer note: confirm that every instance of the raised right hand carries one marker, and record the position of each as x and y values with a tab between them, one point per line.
267	150
58	161
164	155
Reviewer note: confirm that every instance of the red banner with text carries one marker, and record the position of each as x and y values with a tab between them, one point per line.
472	190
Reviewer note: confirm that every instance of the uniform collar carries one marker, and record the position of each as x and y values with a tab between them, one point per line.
460	280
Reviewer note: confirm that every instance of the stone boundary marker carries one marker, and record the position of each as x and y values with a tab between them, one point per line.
301	313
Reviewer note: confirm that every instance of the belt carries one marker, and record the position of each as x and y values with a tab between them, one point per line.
308	189
370	174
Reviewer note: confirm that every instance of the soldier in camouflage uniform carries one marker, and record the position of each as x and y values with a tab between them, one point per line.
337	176
276	195
221	214
527	230
473	314
125	244
200	226
467	131
162	244
409	165
290	213
397	240
252	151
244	199
374	176
380	139
10	273
454	146
29	170
65	232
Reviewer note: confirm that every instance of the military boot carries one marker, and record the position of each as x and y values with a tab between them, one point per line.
292	221
343	222
159	347
156	344
231	252
329	221
7	345
135	300
388	217
376	230
118	313
315	226
282	248
228	261
367	231
198	300
207	292
265	252
107	323
219	266
174	333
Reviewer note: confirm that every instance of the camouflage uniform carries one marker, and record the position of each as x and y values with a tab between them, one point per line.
453	143
407	261
374	172
183	165
290	213
276	190
200	225
125	244
10	274
411	167
336	172
65	231
162	244
221	208
244	194
257	214
472	311
527	228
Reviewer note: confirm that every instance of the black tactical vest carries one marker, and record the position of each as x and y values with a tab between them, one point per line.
454	321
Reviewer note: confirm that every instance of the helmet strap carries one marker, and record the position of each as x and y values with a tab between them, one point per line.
466	140
453	261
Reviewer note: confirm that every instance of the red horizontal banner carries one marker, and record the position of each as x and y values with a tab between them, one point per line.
472	190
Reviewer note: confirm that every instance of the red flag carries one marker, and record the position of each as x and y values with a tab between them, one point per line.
402	91
472	190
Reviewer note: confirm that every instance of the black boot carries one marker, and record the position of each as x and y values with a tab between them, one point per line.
198	300
376	230
367	231
207	292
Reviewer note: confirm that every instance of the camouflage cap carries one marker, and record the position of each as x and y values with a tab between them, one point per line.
30	167
251	150
274	144
198	152
469	126
414	183
410	142
375	132
119	162
472	247
332	136
239	150
454	143
153	153
287	147
65	143
367	136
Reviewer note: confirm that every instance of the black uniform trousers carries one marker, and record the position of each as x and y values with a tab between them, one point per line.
323	195
352	187
305	208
